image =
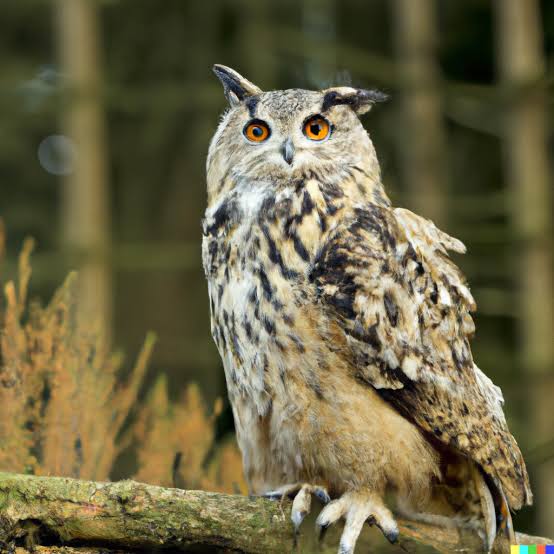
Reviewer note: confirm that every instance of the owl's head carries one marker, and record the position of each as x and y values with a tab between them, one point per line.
281	136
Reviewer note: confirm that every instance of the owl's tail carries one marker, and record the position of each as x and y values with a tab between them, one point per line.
469	499
495	507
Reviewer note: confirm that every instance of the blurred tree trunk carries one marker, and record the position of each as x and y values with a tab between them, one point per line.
420	133
521	69
319	28
255	48
181	293
85	198
187	169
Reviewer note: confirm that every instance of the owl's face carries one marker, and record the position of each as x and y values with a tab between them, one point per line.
282	136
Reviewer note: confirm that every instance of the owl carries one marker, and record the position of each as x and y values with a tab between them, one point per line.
344	327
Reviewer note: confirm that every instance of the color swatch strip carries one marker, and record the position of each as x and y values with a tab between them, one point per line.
532	549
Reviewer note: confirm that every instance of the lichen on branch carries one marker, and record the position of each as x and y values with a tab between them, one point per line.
130	516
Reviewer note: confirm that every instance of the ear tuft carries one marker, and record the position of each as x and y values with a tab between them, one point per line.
235	86
360	100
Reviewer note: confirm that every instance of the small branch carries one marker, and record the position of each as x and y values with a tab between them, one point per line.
68	514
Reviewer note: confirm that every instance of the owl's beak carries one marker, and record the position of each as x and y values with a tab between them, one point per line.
288	151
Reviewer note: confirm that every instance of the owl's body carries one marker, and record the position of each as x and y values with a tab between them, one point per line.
343	326
300	414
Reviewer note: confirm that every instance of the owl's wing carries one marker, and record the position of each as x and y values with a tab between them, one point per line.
384	277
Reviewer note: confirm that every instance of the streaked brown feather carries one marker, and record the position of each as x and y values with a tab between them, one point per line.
344	327
385	276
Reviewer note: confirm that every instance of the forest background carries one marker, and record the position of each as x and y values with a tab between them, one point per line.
106	111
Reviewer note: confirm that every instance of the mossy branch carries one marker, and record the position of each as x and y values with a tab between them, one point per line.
68	515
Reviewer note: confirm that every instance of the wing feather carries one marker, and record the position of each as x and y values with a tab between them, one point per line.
384	276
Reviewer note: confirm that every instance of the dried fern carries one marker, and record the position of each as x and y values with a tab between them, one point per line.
64	408
61	403
174	441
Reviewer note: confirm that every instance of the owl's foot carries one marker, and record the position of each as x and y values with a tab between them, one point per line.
357	508
302	493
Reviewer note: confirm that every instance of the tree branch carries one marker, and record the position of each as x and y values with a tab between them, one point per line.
62	515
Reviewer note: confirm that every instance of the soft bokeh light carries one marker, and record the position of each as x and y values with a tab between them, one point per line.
56	154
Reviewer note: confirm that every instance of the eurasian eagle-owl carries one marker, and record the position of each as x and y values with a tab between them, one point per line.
344	327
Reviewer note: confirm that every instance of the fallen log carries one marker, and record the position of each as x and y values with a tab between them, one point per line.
63	515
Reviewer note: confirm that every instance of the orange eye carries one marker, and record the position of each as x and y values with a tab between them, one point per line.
256	131
317	128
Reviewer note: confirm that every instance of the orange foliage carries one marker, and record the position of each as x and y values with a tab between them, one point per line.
175	443
65	411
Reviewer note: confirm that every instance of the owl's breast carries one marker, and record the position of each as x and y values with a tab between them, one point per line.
257	264
254	304
261	242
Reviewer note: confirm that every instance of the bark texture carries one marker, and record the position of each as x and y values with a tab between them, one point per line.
62	515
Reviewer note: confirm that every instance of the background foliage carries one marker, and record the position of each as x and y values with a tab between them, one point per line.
159	104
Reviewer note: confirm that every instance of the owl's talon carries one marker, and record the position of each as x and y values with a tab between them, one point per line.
302	502
322	495
391	535
321	530
297	519
301	506
357	509
331	513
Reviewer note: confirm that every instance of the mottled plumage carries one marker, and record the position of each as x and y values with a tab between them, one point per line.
344	327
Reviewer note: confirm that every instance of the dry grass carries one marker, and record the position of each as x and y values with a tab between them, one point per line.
64	409
175	441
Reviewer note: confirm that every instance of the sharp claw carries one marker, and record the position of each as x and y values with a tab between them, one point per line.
346	549
322	495
301	507
392	535
330	514
321	530
302	502
322	523
297	517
